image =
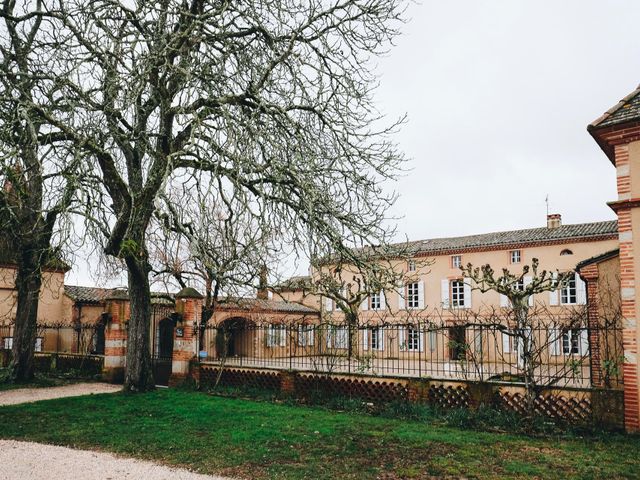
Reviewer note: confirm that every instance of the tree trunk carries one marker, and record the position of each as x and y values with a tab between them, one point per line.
28	284
139	374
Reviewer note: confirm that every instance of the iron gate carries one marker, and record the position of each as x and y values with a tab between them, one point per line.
162	326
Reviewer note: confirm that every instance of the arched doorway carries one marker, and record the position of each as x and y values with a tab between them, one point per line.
162	328
235	338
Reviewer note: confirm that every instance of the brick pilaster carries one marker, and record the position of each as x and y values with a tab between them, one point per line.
115	336
590	275
185	348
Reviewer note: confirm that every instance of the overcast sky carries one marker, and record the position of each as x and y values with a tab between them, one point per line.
498	95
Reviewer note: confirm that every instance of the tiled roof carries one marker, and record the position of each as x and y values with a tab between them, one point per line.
268	305
97	295
598	258
86	294
515	237
626	110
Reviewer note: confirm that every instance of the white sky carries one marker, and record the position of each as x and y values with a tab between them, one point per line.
498	95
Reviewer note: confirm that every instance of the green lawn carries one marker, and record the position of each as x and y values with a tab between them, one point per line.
265	440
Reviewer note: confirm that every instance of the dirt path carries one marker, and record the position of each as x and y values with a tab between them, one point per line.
24	395
22	460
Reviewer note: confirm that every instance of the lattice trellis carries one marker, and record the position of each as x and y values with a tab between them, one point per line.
241	378
446	396
372	390
570	409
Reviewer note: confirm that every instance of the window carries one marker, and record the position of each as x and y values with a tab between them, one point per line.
38	346
456	261
341	337
305	335
457	293
411	266
375	301
574	341
413	296
569	293
276	336
377	341
7	343
566	251
515	256
413	339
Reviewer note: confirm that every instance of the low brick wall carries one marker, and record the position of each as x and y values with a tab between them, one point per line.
574	405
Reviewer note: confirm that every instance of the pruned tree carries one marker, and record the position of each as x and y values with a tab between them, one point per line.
518	293
39	176
272	97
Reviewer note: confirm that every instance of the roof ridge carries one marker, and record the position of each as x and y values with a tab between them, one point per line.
615	108
512	231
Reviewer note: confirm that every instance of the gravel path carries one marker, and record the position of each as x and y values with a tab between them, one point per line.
22	460
24	395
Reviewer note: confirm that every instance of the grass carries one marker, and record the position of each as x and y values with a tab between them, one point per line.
252	439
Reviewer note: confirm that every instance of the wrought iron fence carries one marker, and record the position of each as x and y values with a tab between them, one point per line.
548	354
61	347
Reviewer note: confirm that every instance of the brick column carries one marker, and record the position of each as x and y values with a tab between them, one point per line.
185	348
589	274
115	336
622	145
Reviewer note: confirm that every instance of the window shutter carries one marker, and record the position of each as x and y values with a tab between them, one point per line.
364	305
328	304
554	341
381	339
467	293
433	340
584	342
527	281
401	298
581	291
311	332
401	338
553	294
365	339
420	294
504	301
283	335
329	335
383	300
506	343
444	292
421	340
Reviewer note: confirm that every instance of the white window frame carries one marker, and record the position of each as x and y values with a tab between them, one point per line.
411	266
276	335
377	338
457	293
456	261
340	337
7	343
413	295
375	301
413	339
569	292
306	334
515	256
39	344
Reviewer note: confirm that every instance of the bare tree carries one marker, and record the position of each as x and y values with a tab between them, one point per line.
273	98
213	240
39	176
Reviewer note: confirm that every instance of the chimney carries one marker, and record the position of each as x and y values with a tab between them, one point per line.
263	293
554	220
